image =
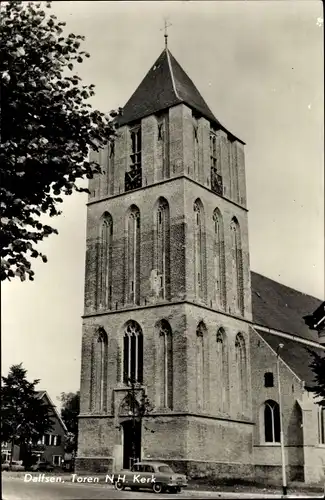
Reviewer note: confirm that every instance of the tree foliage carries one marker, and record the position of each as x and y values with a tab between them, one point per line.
69	413
318	367
24	417
48	128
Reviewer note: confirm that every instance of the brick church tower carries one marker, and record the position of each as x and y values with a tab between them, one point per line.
167	293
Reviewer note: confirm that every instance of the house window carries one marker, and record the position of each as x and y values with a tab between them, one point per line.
56	460
165	362
271	422
268	379
237	267
104	292
321	425
162	248
133	178
133	256
133	353
241	368
199	251
219	260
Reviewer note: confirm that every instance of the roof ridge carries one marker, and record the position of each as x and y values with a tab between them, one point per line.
172	74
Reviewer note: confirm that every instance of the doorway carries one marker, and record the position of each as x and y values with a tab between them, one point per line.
131	434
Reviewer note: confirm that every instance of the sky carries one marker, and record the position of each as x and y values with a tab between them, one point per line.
259	66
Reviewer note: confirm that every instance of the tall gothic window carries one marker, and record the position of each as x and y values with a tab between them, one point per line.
165	365
133	178
237	267
161	250
133	353
133	256
241	369
271	422
163	145
200	360
99	372
104	292
219	260
199	251
222	371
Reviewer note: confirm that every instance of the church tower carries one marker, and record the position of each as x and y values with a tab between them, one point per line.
167	292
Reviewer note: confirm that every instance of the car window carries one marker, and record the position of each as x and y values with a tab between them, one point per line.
149	468
165	468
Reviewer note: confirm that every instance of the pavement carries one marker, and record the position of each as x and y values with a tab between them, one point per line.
15	486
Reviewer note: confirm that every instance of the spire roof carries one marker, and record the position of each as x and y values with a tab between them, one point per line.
165	85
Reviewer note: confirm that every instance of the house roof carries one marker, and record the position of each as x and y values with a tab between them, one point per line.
165	85
43	394
282	308
295	354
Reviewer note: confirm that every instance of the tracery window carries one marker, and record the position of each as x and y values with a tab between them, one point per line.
271	422
133	353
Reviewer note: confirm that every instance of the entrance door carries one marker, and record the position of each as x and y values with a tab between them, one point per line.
131	443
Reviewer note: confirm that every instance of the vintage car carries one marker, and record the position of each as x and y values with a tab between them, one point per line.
157	476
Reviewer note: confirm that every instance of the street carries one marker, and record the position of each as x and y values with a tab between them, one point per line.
15	488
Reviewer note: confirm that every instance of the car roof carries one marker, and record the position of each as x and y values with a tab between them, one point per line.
150	463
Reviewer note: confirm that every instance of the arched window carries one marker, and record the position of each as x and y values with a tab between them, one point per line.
133	256
321	425
241	369
199	251
219	260
200	360
161	250
237	267
133	353
165	364
222	371
104	292
99	372
271	422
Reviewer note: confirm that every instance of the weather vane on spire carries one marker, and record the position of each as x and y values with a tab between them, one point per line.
166	26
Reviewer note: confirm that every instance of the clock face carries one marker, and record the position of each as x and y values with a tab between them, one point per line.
132	180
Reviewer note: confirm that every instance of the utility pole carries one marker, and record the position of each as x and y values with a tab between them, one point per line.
284	477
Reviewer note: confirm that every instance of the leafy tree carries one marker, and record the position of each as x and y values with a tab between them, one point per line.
24	417
69	413
48	129
318	367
